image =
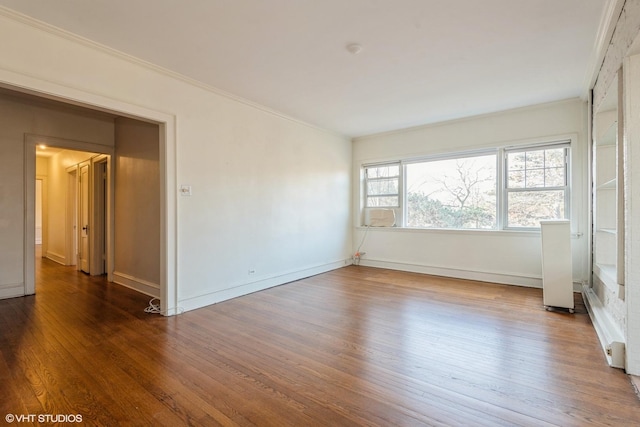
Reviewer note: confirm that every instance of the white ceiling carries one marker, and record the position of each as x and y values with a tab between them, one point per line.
423	61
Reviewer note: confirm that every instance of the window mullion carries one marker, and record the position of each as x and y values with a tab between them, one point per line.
501	185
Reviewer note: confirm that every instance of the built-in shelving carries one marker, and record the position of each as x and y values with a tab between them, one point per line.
608	247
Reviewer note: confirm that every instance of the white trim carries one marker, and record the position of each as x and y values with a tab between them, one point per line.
45	212
137	284
29	243
609	334
55	257
259	285
504	278
70	238
69	144
168	217
11	290
99	219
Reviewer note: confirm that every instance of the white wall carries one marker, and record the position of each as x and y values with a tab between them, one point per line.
18	117
502	256
137	205
270	195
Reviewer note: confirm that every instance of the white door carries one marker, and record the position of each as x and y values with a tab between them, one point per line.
72	216
83	256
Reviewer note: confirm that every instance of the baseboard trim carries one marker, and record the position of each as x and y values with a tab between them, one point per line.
137	284
610	336
259	285
482	276
60	259
11	290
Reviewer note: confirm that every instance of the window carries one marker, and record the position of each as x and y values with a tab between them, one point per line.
452	193
498	188
382	185
536	185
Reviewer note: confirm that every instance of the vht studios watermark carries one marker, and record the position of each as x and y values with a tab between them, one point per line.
43	418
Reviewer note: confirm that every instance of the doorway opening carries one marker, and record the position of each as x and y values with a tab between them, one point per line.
42	93
73	216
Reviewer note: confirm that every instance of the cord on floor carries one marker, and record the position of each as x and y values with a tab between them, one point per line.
154	307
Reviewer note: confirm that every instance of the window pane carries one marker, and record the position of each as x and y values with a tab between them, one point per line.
516	179
383	171
516	161
452	193
537	168
535	159
382	201
382	186
534	178
527	208
555	177
554	158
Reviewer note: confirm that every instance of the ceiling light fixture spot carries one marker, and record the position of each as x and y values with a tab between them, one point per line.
354	48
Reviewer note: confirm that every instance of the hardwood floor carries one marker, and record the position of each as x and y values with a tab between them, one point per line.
356	346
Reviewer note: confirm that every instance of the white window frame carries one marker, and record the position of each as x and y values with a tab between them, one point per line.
366	180
504	216
501	152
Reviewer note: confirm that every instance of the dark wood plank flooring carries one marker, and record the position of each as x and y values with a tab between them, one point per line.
356	346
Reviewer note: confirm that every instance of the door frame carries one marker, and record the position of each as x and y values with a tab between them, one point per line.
45	214
71	220
168	175
85	203
101	230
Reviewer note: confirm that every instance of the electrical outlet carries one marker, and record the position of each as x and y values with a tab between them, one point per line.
185	190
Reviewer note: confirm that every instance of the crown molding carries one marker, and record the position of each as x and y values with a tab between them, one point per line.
75	38
606	27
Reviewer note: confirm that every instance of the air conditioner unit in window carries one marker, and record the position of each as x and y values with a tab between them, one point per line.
377	217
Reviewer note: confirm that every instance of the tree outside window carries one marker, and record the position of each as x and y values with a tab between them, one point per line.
452	193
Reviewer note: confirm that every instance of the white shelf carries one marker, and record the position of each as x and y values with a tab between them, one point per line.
607	230
607	250
609	185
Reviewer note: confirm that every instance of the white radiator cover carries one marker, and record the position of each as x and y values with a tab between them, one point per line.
557	280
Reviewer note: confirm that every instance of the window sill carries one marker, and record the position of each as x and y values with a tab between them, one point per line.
509	232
